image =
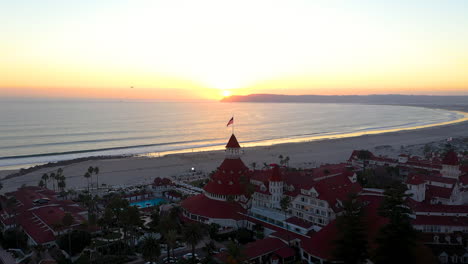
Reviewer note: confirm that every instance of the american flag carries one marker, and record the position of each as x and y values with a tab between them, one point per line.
231	121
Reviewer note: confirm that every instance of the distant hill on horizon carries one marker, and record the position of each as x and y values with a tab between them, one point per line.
396	99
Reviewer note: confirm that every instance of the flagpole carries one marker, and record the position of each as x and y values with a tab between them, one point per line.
233	124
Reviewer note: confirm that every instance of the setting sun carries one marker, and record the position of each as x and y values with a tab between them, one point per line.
226	93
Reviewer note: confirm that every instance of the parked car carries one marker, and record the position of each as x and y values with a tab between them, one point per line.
189	256
169	260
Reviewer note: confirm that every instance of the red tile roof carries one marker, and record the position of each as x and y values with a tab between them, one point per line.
440	220
38	220
451	158
262	247
415	179
227	178
204	206
336	188
233	143
285	252
322	244
464	179
436	208
437	192
275	174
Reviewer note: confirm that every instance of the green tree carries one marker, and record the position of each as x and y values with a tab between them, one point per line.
81	239
396	240
351	245
130	220
14	238
154	224
61	184
150	249
193	234
234	253
87	175
285	202
96	172
45	178
67	222
213	230
41	184
171	241
53	179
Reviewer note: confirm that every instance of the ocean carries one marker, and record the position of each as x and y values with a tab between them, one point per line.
35	132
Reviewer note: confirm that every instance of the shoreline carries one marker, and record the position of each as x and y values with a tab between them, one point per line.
135	170
327	149
461	111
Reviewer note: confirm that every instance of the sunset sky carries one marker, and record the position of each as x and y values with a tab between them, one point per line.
202	49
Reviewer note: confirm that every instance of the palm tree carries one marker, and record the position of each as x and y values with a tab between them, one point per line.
45	177
91	171
67	221
96	171
52	177
171	239
61	183
193	234
87	176
150	249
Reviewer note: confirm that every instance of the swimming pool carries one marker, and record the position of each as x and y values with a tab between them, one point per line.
148	203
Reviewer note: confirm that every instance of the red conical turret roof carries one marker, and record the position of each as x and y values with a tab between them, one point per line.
233	143
450	158
275	173
227	178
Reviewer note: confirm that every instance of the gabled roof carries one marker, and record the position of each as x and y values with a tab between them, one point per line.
233	143
439	192
210	208
39	220
260	248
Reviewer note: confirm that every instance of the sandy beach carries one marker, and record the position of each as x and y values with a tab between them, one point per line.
134	170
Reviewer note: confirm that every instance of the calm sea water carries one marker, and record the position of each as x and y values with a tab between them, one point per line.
34	132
